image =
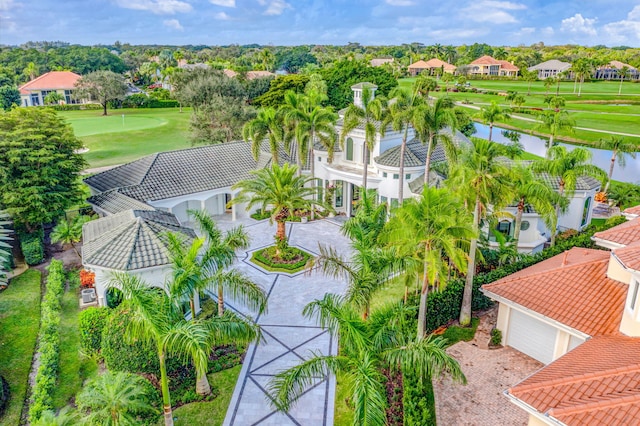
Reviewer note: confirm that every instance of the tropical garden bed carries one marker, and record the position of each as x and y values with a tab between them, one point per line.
291	259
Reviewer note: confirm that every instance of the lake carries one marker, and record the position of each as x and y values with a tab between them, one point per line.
601	158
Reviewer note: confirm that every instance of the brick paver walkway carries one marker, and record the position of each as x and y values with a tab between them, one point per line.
289	338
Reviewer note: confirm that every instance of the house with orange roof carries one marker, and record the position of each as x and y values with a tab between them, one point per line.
432	66
579	314
611	71
63	82
486	65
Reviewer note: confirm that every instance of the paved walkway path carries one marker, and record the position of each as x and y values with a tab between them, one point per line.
288	337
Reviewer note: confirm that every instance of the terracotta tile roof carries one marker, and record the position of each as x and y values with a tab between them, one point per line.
485	60
578	294
632	210
506	65
624	234
629	256
596	383
51	80
419	64
434	63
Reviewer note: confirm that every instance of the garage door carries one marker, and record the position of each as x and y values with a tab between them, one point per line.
531	336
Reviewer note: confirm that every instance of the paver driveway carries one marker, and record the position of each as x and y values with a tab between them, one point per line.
289	338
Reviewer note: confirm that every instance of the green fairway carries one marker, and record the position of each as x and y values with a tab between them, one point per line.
164	129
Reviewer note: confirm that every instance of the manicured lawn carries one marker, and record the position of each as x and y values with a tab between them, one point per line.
146	131
213	412
19	325
74	367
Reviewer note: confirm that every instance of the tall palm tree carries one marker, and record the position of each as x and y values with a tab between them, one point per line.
268	124
370	265
65	417
429	121
492	113
30	71
155	319
619	147
365	347
531	190
69	232
623	73
293	102
217	259
567	166
280	188
115	399
369	115
554	121
582	69
402	108
430	230
483	180
314	123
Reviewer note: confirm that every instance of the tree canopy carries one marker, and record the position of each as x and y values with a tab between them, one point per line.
103	86
39	177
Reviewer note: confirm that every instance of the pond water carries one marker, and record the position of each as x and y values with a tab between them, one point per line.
601	158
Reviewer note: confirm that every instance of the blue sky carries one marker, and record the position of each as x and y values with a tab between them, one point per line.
291	22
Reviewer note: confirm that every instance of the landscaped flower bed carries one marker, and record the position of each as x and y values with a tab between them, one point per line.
292	259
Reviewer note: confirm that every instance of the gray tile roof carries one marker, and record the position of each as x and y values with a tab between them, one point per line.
416	153
130	240
583	183
175	173
435	180
113	202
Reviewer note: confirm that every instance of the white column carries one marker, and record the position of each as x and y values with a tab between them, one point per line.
233	208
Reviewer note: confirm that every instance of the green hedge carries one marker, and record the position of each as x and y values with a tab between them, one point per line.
49	343
417	400
74	107
91	323
264	261
140	100
32	246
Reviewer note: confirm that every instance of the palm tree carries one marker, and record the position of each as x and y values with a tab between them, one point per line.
69	232
369	115
618	147
268	124
529	77
567	166
365	347
370	265
219	255
280	188
400	115
531	190
624	73
313	123
428	121
430	230
115	399
292	102
65	417
548	82
30	71
493	113
553	122
156	319
581	68
425	84
483	180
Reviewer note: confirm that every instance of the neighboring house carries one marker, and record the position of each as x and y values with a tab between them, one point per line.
611	71
377	62
250	75
132	241
550	68
488	66
431	67
579	313
63	82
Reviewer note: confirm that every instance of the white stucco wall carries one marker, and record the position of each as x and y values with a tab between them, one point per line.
573	217
156	277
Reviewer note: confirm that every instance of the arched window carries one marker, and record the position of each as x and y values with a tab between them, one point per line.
350	149
504	227
585	211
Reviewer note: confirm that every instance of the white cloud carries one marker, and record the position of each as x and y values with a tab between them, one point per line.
491	11
159	7
547	31
276	7
527	30
400	2
224	3
6	4
173	24
578	24
221	16
627	30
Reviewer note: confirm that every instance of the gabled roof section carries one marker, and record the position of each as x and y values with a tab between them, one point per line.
485	60
433	63
619	65
130	240
176	173
552	64
632	212
624	234
596	383
629	256
50	81
578	294
583	183
416	153
113	202
506	65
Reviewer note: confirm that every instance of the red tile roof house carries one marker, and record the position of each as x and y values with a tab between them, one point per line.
431	66
579	313
63	82
486	65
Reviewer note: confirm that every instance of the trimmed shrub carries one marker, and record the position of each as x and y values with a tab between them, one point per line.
417	398
49	343
32	246
91	323
264	260
75	107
